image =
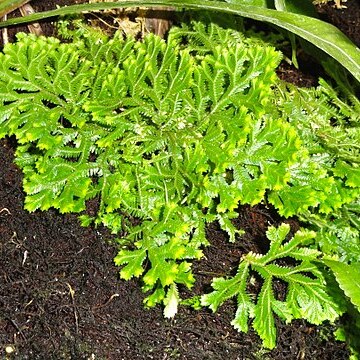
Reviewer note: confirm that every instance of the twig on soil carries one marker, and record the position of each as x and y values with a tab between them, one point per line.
5	209
72	293
5	36
34	28
17	328
24	257
107	302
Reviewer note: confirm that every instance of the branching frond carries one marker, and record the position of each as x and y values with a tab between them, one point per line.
307	295
177	134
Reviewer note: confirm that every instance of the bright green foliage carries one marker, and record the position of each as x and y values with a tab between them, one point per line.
319	33
348	278
328	122
307	296
170	138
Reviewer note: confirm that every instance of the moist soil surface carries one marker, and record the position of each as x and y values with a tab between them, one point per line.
61	296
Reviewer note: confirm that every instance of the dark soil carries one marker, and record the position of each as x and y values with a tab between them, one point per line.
61	297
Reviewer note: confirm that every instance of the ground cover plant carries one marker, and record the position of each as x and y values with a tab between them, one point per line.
235	135
299	19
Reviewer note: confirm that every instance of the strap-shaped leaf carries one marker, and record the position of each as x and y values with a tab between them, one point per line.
323	35
7	6
348	277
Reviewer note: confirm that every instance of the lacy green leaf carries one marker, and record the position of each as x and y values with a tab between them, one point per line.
323	35
328	120
170	138
307	295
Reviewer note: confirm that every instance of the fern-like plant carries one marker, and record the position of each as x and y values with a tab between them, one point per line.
175	136
328	122
307	296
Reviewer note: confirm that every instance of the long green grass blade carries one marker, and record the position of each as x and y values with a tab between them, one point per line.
7	6
348	278
323	35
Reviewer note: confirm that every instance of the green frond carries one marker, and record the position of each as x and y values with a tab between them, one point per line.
345	275
307	296
328	122
177	136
